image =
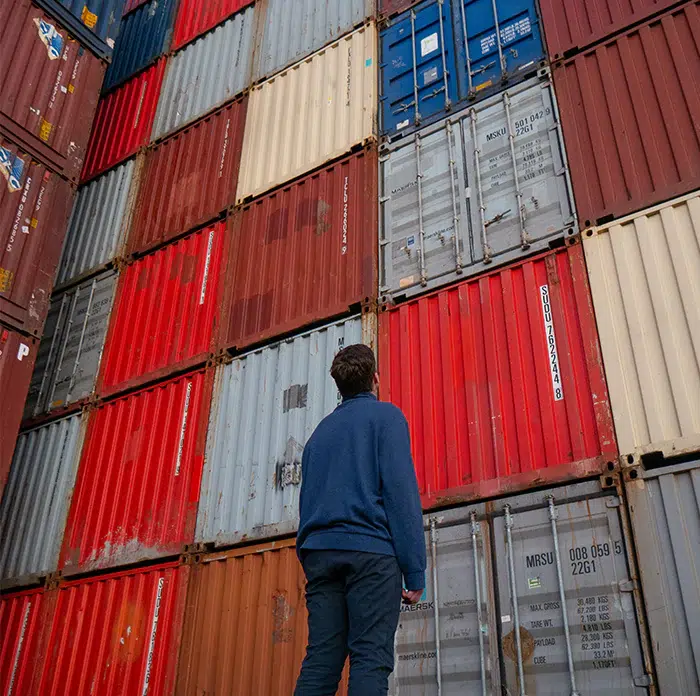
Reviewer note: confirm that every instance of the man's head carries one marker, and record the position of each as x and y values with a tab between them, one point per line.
354	370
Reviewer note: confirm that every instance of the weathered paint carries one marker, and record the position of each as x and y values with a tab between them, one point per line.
195	17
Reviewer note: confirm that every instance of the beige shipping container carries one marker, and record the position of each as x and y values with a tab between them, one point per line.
644	273
313	112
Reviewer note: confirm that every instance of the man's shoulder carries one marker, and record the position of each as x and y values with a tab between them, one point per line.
388	412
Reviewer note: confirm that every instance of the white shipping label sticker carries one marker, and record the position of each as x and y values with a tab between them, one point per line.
429	44
505	618
403	124
430	76
552	355
534	583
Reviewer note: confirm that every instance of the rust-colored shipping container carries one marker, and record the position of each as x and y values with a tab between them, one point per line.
389	8
245	624
116	635
195	17
124	120
137	489
34	207
190	178
630	110
501	380
49	86
130	5
304	253
164	312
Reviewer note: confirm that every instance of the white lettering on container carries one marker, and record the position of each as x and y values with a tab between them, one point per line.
344	248
152	641
138	108
18	216
224	149
207	263
18	652
183	428
553	356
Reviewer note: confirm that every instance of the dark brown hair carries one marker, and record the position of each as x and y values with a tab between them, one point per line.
353	370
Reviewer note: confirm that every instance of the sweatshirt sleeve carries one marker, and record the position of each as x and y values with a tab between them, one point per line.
402	500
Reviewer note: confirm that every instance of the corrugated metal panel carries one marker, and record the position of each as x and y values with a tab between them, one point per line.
102	17
303	254
116	635
123	122
71	345
616	104
203	157
34	206
292	31
143	36
207	73
644	272
267	403
35	505
195	17
333	97
459	196
48	88
665	510
388	8
164	313
501	380
257	596
99	221
139	476
131	5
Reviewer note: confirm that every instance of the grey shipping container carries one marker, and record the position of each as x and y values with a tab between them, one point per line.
206	73
554	564
35	505
664	508
293	30
71	348
480	188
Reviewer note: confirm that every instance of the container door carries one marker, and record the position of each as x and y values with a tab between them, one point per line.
562	577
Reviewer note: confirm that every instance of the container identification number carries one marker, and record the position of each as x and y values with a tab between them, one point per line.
551	343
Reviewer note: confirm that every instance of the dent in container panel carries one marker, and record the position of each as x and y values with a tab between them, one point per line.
138	481
629	111
195	17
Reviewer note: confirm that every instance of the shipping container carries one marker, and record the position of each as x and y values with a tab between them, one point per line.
501	380
195	18
35	505
629	112
480	188
303	254
208	72
664	506
34	207
144	35
643	272
164	312
139	476
49	87
203	157
292	31
266	405
123	122
71	346
116	635
99	222
131	5
389	8
444	52
332	95
17	356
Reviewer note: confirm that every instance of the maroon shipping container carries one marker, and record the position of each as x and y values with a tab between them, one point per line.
190	178
630	113
164	312
17	356
501	380
49	86
304	253
130	5
124	120
389	8
194	17
34	207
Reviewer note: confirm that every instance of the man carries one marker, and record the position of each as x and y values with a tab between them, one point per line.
360	533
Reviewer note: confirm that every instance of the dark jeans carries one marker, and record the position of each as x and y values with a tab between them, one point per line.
354	601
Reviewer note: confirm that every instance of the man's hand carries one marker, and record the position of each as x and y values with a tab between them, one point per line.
411	596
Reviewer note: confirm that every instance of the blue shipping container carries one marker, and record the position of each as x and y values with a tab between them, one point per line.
144	36
441	53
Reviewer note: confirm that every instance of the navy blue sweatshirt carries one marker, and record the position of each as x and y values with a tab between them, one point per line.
359	489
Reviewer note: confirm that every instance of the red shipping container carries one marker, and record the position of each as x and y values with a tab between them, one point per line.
190	178
164	312
501	380
630	113
137	489
130	5
116	635
304	253
124	120
194	17
49	86
34	207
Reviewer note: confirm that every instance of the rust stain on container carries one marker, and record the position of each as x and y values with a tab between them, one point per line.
195	17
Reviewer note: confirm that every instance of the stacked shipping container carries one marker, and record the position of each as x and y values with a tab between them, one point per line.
270	181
